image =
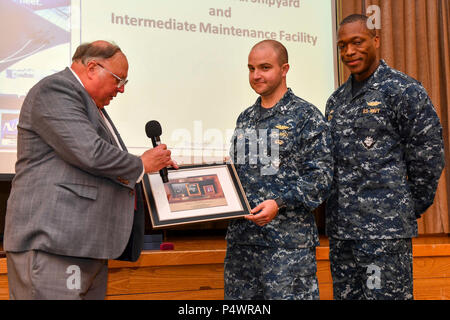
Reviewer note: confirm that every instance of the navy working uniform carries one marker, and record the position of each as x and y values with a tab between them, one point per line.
388	157
281	152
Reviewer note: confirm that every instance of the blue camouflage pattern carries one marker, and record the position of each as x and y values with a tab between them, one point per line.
372	269
388	157
265	273
285	153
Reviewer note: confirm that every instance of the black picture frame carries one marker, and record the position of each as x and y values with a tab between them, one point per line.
194	194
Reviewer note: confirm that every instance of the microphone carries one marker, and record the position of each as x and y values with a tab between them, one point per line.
153	131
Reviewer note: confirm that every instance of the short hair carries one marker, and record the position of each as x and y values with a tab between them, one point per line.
358	18
95	50
278	47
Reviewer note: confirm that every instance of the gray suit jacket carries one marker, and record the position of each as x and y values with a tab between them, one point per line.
74	190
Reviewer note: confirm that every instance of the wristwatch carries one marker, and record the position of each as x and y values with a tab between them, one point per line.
281	205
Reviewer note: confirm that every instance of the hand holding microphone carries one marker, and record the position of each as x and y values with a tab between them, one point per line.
157	158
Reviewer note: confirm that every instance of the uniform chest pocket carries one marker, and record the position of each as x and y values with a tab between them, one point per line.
370	128
368	131
373	121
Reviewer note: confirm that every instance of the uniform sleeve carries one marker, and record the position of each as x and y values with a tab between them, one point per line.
315	165
421	133
236	157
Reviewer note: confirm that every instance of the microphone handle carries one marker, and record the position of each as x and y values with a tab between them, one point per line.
156	141
164	175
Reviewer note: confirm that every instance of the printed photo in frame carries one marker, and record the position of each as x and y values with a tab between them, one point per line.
193	194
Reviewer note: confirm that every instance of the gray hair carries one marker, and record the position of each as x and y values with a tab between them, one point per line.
95	50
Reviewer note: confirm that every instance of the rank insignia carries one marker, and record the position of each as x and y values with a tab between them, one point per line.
369	142
279	142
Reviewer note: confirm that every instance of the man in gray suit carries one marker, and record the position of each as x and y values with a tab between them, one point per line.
76	199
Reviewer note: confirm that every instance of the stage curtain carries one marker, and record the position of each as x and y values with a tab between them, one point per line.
415	39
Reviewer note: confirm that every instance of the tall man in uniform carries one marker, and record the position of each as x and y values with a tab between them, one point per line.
281	151
75	200
388	157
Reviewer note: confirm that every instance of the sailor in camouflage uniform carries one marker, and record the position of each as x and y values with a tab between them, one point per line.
281	150
388	157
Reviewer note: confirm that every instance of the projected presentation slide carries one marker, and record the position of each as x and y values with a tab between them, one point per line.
188	62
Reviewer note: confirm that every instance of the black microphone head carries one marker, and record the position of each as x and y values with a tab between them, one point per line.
153	129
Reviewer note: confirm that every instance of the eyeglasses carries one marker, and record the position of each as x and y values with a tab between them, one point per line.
120	82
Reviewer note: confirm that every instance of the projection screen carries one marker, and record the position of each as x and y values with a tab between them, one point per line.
188	62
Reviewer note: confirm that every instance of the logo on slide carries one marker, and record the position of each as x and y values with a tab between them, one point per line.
8	133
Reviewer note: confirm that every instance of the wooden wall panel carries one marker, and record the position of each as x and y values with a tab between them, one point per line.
213	294
198	275
4	293
432	289
431	267
165	278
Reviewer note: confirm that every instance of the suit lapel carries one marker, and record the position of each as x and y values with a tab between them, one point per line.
103	111
94	109
102	120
